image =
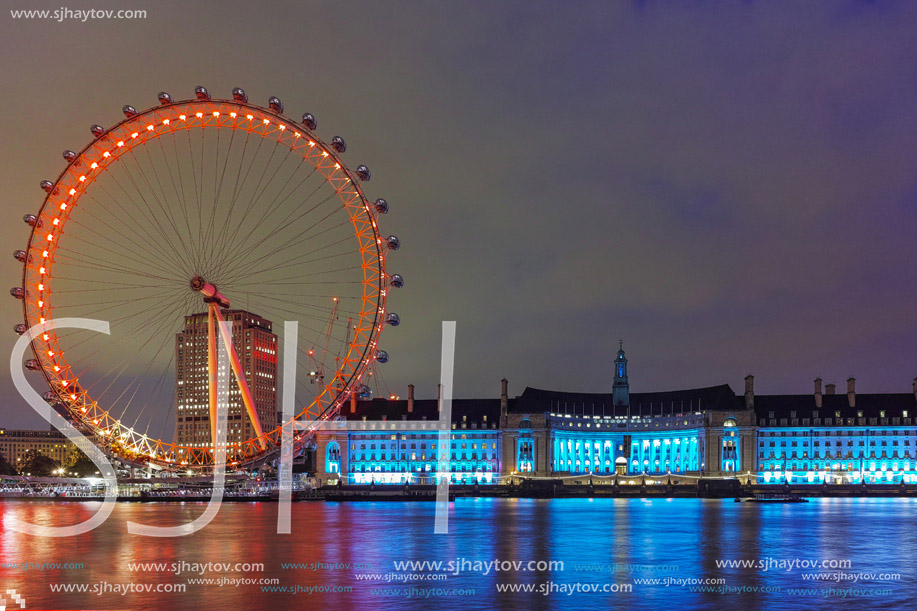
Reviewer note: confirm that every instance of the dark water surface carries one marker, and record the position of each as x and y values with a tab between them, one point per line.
674	539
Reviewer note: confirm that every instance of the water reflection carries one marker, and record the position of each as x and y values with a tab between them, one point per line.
601	542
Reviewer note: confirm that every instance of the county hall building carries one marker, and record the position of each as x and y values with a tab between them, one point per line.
815	438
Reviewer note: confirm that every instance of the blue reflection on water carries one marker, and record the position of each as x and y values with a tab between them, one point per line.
602	543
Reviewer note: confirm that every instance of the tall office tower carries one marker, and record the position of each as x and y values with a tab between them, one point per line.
256	347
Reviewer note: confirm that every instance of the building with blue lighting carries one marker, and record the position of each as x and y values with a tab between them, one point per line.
837	438
712	431
396	446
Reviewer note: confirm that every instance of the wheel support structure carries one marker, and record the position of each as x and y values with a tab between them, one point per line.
215	300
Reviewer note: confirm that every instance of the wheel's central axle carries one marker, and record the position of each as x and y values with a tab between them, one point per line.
209	292
215	300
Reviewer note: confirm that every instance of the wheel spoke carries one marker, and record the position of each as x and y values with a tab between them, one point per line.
234	196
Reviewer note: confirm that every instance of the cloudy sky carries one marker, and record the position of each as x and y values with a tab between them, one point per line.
727	187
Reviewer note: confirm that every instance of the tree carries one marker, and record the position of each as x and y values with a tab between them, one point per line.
37	464
78	464
5	467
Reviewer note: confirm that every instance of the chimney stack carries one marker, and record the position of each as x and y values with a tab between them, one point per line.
818	392
851	392
504	396
410	398
439	397
829	389
353	403
750	391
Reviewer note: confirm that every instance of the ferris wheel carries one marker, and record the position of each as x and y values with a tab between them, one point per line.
180	217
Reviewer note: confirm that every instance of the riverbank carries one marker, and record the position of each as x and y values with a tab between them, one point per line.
543	488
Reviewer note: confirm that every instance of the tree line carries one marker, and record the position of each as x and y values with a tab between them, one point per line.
35	464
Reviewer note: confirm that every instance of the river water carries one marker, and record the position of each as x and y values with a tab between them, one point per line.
347	553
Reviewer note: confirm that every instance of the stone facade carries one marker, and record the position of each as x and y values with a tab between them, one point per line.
710	432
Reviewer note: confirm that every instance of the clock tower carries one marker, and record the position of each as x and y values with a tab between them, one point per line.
621	389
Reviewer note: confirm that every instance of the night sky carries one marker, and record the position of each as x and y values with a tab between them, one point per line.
727	188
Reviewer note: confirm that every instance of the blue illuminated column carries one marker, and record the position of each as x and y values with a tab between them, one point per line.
588	447
587	451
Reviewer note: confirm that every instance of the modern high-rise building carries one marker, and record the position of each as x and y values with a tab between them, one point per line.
256	346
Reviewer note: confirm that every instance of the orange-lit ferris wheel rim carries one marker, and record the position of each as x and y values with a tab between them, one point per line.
106	149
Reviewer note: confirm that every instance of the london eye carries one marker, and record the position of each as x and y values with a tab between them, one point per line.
182	216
